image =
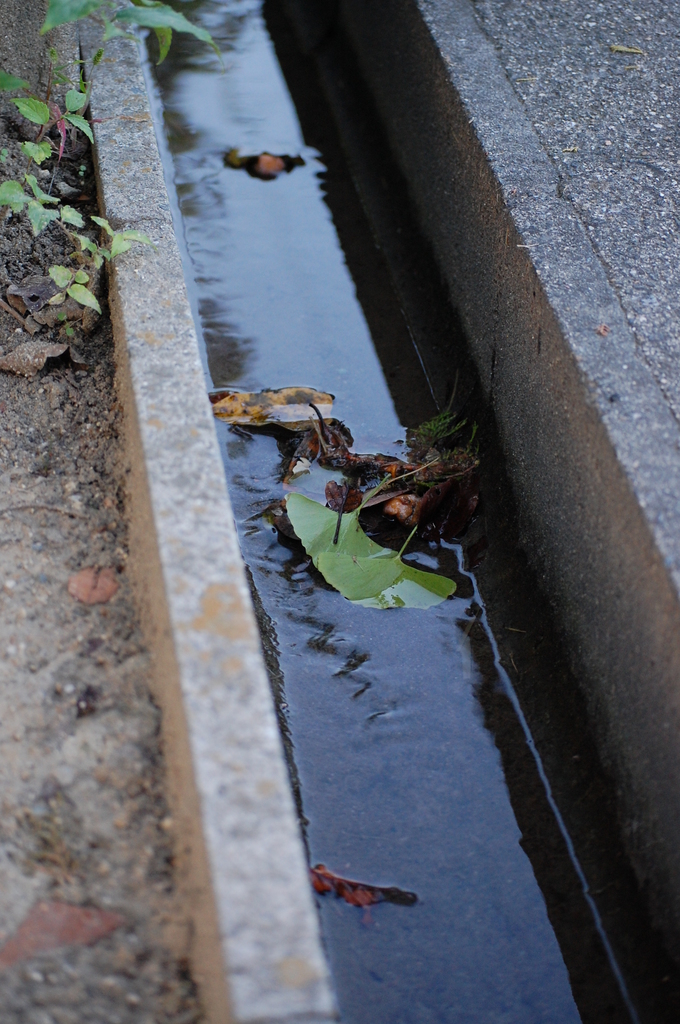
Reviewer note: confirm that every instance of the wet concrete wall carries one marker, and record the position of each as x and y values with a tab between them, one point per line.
592	447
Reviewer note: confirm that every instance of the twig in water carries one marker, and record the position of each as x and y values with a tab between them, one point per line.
345	492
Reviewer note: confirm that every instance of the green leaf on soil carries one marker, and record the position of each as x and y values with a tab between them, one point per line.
81	277
71	216
59	12
41	196
37	151
83	296
103	223
75	100
363	571
40	217
86	244
33	110
8	83
61	276
79	122
164	17
12	194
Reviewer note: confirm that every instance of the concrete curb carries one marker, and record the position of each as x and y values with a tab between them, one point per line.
592	448
257	951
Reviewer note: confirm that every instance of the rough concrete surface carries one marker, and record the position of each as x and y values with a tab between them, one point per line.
592	441
22	51
241	850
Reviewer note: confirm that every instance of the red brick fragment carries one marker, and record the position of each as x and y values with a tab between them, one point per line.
49	925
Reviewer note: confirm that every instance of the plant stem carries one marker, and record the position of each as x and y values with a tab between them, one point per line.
407	541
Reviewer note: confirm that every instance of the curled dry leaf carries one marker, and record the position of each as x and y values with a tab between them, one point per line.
50	925
276	515
28	358
49	316
358	894
454	513
92	587
33	292
285	407
342	498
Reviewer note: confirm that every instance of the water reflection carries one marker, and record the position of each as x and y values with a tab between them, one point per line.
400	782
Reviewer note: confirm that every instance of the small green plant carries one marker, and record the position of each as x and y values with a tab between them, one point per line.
26	195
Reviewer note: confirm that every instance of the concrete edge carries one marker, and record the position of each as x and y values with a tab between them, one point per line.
592	448
256	950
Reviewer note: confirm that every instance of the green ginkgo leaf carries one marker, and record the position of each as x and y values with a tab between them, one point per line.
315	525
383	580
363	571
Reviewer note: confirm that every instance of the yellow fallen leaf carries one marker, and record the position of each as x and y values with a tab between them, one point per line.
571	149
615	48
289	407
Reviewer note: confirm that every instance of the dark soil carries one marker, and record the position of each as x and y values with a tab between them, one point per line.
84	818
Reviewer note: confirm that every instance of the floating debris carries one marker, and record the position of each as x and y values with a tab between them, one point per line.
358	894
265	166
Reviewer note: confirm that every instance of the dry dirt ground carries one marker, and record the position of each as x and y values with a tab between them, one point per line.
84	820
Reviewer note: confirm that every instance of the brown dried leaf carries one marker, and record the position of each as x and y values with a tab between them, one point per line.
26	359
454	512
34	290
286	407
31	325
92	587
342	497
50	925
51	315
358	894
16	302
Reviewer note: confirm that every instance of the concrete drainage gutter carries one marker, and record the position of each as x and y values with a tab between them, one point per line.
592	447
257	953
